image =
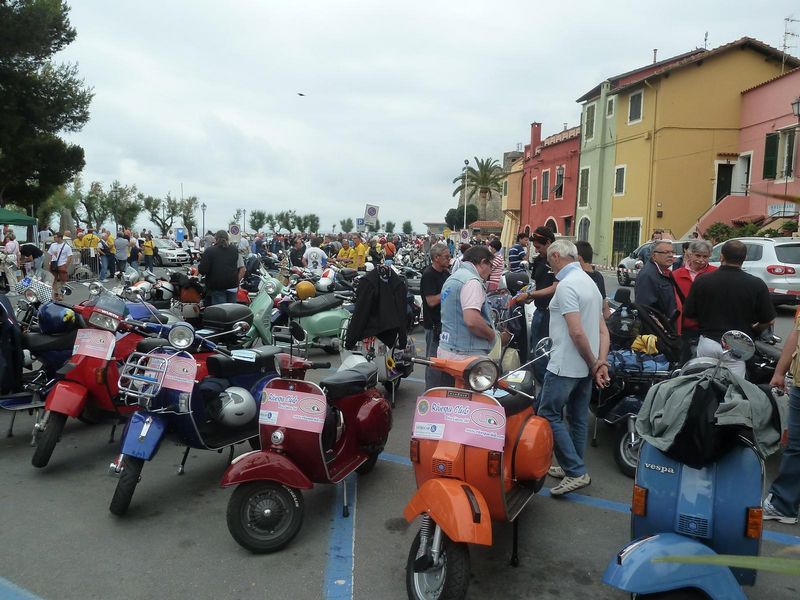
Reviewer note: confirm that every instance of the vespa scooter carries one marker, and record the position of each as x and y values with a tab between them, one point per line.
678	511
476	458
309	434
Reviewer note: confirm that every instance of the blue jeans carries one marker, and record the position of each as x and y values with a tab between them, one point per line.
434	377
220	297
103	266
540	325
569	443
785	489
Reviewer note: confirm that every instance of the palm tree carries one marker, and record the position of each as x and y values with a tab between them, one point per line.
483	180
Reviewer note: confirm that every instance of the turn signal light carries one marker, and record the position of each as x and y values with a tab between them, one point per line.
639	503
414	451
754	522
99	376
494	464
780	270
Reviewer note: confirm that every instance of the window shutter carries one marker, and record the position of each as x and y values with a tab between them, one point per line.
590	110
771	156
583	194
789	165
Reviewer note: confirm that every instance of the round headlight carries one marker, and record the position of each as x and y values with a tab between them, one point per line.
31	296
270	288
482	375
181	336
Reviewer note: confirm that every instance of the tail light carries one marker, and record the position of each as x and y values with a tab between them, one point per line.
754	522
414	451
780	270
494	464
639	503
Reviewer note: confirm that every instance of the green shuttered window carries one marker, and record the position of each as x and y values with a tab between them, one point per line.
771	156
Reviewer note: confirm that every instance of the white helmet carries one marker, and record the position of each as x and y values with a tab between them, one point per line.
368	267
235	407
325	284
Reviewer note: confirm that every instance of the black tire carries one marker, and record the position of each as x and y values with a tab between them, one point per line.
627	458
682	594
128	479
48	440
251	528
448	583
622	278
370	463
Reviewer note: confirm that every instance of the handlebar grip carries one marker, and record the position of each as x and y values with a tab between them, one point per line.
320	365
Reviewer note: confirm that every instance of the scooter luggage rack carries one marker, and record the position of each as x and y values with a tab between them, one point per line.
141	377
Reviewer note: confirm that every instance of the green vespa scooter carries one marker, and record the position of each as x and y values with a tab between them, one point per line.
262	306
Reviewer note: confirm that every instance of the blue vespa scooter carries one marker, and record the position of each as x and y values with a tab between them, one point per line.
680	511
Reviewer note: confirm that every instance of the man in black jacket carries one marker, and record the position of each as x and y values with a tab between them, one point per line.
654	284
223	269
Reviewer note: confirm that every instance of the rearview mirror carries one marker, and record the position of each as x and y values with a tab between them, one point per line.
241	326
543	347
738	344
297	331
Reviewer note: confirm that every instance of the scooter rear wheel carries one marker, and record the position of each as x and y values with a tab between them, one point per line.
128	480
264	516
447	582
625	455
48	439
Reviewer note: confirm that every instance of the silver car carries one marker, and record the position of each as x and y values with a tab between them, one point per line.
169	255
776	261
629	267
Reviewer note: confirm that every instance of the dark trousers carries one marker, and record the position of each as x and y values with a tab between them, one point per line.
435	377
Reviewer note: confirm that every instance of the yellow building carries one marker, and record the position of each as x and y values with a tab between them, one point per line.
674	125
510	203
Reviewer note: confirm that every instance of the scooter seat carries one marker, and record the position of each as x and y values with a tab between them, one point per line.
312	306
40	342
220	365
348	274
151	343
350	381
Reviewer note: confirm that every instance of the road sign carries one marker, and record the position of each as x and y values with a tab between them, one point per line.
465	235
360	226
180	234
371	214
234	230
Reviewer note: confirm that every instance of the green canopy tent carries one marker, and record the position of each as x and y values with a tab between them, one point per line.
9	217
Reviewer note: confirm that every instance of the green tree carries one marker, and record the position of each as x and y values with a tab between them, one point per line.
376	227
719	232
407	229
312	222
390	225
270	220
346	225
40	100
455	216
236	219
91	208
123	205
162	212
187	209
258	218
285	219
483	179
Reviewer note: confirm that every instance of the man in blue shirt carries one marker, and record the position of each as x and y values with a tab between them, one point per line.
518	252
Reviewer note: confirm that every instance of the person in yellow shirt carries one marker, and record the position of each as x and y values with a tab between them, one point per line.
90	240
347	255
361	251
147	246
79	243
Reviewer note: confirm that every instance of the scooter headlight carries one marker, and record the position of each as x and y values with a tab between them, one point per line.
31	296
103	321
482	375
181	336
270	287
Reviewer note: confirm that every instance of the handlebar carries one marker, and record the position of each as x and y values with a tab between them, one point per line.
320	365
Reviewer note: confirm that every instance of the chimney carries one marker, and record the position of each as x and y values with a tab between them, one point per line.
565	126
655	55
536	136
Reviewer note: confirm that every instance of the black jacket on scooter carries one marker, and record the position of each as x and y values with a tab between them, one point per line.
11	355
380	309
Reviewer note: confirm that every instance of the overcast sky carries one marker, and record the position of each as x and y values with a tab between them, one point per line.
205	93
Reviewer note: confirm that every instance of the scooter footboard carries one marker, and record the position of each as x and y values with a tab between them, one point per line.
259	465
457	507
634	571
143	435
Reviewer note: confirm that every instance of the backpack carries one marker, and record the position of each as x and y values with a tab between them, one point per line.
654	322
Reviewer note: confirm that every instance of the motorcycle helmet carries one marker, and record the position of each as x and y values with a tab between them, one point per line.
235	407
305	290
368	267
55	319
325	284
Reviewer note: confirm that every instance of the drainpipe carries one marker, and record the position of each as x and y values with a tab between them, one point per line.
651	200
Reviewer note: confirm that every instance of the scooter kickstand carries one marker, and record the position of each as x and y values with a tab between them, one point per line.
514	562
345	507
594	434
181	469
10	432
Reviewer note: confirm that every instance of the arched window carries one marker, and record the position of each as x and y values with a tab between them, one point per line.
583	229
528	230
551	225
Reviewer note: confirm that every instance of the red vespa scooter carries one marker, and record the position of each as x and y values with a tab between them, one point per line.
309	434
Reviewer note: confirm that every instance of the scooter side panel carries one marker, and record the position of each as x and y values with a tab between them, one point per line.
263	465
449	505
634	571
143	435
325	324
67	397
661	476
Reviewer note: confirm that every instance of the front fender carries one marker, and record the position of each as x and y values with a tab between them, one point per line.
260	465
457	507
143	434
634	571
67	397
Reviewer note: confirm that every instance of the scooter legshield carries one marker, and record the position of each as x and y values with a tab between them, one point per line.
261	465
457	507
143	434
67	397
634	571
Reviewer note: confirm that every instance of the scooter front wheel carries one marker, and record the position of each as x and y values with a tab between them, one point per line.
264	516
447	581
128	480
48	439
626	454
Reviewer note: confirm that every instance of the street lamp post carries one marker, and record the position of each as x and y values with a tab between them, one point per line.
203	207
789	170
464	190
244	221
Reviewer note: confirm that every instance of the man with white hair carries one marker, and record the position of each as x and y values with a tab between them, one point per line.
654	284
580	346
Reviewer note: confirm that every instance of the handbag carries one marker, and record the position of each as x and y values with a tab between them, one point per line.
54	263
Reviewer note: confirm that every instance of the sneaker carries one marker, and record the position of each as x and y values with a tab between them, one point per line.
773	514
557	472
570	484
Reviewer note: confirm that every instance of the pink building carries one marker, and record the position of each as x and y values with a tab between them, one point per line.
766	160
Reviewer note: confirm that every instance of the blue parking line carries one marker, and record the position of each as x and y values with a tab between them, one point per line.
11	591
339	569
771	536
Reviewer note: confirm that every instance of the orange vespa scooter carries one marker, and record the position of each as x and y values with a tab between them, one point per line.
476	459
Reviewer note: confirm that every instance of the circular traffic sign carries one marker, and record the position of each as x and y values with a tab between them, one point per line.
465	235
372	211
234	230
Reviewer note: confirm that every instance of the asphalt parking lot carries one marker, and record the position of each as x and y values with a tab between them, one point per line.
60	541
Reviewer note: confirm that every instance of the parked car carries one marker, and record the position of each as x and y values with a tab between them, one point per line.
169	255
629	267
776	261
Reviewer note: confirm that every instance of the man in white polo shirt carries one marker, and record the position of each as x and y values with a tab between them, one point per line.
580	346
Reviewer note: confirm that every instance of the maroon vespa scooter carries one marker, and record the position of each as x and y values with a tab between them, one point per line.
309	434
